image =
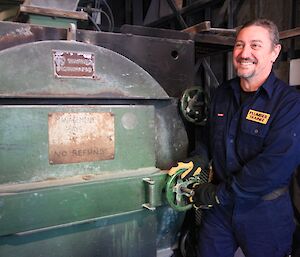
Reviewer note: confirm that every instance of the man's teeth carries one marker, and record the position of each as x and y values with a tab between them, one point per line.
247	62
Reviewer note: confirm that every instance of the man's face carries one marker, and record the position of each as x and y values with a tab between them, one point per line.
254	53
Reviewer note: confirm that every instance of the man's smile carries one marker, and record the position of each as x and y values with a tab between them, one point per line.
246	62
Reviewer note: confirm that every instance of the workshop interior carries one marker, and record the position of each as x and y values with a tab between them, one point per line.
98	100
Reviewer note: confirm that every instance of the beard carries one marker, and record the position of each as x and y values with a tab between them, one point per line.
245	72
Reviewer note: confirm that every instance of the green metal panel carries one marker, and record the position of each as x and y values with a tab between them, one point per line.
24	142
31	209
132	234
55	22
115	75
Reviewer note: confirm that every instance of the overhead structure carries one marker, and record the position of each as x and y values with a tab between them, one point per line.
53	13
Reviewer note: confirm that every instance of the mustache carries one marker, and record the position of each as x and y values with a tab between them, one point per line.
247	59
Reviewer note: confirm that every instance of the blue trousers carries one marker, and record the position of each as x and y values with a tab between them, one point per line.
263	228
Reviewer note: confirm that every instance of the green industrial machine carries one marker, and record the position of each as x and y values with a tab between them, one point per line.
85	134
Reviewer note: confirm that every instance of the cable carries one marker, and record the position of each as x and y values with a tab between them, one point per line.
96	10
110	28
94	23
111	15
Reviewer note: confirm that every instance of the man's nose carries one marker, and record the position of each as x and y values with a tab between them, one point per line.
245	52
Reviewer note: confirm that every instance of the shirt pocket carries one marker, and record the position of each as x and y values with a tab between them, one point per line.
251	139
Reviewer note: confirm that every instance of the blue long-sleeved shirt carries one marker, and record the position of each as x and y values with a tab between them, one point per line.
255	146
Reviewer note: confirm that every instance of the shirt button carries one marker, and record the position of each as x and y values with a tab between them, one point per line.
255	131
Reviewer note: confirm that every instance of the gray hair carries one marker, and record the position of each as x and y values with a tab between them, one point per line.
267	24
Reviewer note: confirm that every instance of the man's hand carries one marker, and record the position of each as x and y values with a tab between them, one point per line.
205	194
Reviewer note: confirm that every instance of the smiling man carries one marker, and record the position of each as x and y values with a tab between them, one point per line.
255	51
255	148
254	145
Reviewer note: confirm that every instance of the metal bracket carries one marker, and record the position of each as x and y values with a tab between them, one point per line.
150	205
71	32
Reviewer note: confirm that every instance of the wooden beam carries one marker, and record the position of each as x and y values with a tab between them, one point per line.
214	39
54	12
200	27
9	13
178	4
206	27
289	33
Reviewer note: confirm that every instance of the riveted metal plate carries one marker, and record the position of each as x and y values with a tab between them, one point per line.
80	137
72	64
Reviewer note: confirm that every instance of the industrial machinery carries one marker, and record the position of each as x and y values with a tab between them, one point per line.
89	125
85	136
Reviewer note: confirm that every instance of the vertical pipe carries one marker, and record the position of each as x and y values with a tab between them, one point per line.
230	25
137	12
128	11
292	25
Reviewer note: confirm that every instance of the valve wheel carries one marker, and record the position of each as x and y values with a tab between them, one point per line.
175	198
193	105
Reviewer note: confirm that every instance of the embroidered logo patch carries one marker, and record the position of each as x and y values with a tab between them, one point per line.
257	116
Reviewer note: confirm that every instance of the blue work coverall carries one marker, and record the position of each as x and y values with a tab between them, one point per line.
255	147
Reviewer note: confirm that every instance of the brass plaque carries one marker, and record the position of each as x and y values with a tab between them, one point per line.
69	64
80	137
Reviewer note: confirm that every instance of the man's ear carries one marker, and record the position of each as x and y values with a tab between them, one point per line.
276	52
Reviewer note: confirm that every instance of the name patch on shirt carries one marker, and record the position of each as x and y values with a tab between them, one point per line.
257	116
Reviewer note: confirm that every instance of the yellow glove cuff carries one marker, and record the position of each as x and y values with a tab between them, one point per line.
196	172
181	165
188	166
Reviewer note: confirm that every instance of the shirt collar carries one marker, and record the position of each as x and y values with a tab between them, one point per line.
267	86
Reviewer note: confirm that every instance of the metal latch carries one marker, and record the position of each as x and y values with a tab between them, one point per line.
150	194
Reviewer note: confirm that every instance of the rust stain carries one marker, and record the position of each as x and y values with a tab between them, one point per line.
88	177
17	34
72	64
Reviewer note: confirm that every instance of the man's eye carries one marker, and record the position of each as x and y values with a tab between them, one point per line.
238	45
255	46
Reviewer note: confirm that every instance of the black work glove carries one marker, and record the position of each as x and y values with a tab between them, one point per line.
205	194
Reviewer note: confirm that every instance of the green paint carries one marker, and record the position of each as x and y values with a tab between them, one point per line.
47	21
24	143
46	207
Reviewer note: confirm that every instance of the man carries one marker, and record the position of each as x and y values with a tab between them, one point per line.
254	144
